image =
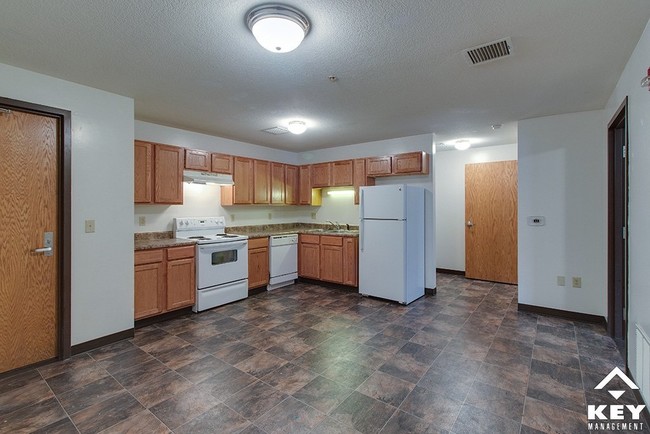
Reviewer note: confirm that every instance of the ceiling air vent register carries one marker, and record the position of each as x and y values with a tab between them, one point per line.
489	52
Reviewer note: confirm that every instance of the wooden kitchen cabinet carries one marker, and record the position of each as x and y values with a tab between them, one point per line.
331	259
350	261
308	195
291	184
360	178
149	285
221	163
143	175
242	192
197	160
309	256
258	262
342	173
168	174
321	175
411	162
277	183
261	181
379	166
181	283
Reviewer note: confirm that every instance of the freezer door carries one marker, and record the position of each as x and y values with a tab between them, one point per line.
382	259
383	202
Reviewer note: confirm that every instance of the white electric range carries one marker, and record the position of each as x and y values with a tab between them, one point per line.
221	260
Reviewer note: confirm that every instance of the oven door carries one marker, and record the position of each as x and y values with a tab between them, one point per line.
221	263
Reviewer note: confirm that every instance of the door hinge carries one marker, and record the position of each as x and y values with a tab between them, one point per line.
624	151
624	232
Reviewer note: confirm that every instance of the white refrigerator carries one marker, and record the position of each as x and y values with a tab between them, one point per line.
391	242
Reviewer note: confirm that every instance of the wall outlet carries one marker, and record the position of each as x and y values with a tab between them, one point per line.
232	217
561	281
576	282
142	220
90	226
313	216
270	216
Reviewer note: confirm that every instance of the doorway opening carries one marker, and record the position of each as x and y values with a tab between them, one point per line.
37	146
617	246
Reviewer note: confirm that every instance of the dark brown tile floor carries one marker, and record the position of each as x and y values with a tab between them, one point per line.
309	359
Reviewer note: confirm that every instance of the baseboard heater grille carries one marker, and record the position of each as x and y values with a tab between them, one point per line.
642	375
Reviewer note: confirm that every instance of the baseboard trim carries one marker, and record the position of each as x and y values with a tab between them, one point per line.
328	284
577	316
639	397
100	342
430	291
162	317
448	271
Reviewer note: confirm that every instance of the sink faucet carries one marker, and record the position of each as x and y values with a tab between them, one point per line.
332	225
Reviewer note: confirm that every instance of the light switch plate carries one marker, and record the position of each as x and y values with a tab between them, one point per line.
142	220
561	281
90	226
576	282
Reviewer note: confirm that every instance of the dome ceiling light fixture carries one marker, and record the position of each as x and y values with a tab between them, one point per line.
297	127
462	144
278	28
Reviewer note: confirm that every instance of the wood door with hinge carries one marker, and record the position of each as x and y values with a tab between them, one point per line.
29	215
491	221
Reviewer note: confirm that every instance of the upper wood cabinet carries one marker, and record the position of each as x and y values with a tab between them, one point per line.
197	160
291	184
321	175
305	185
262	181
378	166
411	162
277	183
143	176
221	163
360	177
168	174
242	192
342	173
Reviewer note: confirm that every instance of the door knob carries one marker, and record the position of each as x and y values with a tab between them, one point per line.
469	223
48	241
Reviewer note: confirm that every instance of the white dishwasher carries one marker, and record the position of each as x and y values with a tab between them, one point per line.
283	260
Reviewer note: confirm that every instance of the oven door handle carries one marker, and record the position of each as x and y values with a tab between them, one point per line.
222	247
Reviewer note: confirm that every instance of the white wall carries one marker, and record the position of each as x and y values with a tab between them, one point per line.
205	200
102	189
450	199
336	209
563	177
639	179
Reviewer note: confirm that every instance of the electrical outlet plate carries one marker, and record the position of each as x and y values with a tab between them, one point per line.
270	216
90	226
561	281
142	220
313	216
576	282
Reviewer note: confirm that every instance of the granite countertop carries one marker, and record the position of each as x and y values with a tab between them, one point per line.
159	240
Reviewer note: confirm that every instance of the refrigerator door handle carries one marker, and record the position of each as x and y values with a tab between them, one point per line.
361	218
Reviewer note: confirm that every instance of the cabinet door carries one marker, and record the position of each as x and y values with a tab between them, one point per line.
291	182
258	267
168	174
242	191
342	173
350	261
305	185
410	162
143	176
181	287
321	175
262	181
309	260
331	263
221	163
149	289
360	177
277	183
378	166
197	160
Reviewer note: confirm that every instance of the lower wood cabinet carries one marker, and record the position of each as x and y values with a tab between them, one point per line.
328	258
258	262
164	280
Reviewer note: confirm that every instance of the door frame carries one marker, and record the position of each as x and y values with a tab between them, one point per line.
64	172
617	320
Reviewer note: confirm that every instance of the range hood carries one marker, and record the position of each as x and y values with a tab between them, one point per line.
197	177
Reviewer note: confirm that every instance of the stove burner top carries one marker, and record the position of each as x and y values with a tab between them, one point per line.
198	238
228	236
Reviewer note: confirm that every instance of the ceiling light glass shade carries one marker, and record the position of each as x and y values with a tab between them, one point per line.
297	127
278	28
462	145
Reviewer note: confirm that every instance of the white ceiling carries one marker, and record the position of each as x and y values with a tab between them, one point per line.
193	64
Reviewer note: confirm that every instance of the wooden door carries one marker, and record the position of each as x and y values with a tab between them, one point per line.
321	175
221	163
168	174
243	178
197	160
410	162
29	188
309	256
262	181
350	261
491	221
291	181
143	172
377	166
305	185
360	178
331	259
181	287
342	172
277	183
258	262
149	289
